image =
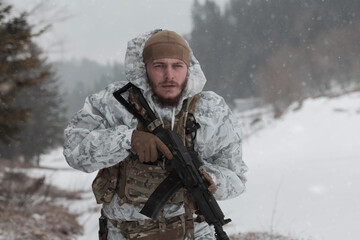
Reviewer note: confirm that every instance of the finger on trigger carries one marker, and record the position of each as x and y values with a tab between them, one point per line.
141	156
147	157
153	153
164	149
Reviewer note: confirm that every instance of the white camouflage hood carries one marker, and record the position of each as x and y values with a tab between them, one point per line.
135	70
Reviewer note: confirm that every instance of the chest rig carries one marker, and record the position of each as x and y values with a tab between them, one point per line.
134	181
139	180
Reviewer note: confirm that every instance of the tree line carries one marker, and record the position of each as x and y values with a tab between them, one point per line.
280	50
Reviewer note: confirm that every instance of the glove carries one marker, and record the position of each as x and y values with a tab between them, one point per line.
146	146
188	199
212	186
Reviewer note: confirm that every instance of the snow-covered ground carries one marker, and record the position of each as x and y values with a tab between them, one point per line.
303	178
304	173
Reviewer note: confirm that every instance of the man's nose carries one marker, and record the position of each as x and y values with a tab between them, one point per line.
169	72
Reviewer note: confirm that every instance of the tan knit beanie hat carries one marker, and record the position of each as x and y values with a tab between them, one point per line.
166	44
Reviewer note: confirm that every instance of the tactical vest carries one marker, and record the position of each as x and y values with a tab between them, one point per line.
134	182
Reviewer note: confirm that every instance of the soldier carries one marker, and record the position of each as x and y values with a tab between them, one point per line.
104	136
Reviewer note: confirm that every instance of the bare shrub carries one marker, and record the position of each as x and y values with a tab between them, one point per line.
43	221
28	209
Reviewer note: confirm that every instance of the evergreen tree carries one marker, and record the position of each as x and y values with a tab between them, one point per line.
19	69
46	118
31	111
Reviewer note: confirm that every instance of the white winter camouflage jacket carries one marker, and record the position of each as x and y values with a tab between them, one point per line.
99	135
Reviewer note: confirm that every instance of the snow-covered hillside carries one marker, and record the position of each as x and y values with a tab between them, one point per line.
304	173
303	178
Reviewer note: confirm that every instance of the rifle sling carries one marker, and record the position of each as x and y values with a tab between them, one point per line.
126	104
155	122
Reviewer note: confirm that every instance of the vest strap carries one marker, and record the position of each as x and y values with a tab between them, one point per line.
154	124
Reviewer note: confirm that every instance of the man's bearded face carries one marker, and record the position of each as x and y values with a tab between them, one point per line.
167	78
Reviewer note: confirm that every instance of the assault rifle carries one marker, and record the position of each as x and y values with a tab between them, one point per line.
183	171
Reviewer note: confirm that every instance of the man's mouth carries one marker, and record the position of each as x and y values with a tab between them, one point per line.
168	85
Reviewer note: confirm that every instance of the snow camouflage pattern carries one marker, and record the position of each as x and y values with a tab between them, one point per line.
99	136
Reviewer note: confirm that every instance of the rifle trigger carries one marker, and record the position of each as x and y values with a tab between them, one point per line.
163	162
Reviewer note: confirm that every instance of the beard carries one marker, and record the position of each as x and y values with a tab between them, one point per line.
171	101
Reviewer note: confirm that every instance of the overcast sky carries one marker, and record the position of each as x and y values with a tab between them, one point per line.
100	29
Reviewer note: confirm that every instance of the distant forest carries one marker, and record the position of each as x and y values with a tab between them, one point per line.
80	78
279	50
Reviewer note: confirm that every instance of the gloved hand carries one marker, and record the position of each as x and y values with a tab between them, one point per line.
188	199
212	186
146	146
